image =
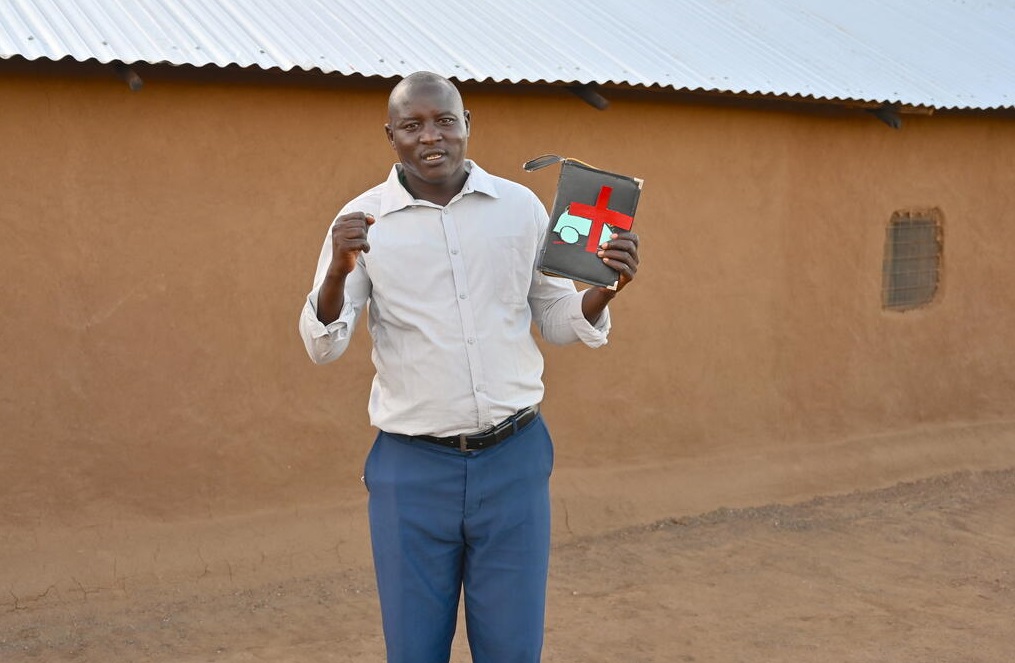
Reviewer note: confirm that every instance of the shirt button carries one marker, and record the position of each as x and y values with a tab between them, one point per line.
463	296
479	388
471	341
454	252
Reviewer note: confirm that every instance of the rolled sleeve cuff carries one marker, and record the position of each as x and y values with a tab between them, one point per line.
595	335
338	328
325	342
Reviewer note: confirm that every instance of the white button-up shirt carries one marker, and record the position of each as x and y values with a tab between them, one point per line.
452	293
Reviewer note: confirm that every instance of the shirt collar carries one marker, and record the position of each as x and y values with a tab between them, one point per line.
395	197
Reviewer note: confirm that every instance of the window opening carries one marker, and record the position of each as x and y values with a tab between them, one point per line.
912	262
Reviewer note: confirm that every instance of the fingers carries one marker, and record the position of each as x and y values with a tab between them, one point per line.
358	220
349	233
621	253
348	239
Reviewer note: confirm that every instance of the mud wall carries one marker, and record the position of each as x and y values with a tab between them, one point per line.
158	246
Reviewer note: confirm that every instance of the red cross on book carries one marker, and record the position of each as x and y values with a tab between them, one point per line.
600	215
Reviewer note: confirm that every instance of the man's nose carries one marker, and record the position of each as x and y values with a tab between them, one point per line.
431	133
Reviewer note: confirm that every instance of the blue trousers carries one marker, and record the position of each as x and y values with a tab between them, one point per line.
443	520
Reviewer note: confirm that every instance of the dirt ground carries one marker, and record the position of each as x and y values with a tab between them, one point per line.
920	572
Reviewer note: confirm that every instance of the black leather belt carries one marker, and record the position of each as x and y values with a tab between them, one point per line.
490	437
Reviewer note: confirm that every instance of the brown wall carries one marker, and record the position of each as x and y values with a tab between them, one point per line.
158	246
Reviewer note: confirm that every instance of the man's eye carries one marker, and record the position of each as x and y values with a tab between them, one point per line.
446	120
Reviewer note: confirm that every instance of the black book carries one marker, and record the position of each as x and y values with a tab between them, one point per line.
590	205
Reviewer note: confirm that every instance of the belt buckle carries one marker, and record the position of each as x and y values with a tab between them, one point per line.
511	423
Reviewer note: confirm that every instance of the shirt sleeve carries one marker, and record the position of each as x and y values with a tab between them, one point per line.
557	312
557	305
326	343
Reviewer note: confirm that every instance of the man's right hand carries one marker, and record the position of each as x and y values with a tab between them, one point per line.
348	238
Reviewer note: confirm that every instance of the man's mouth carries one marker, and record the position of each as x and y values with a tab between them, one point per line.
433	156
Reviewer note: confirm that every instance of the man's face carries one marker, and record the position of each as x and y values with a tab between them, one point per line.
429	130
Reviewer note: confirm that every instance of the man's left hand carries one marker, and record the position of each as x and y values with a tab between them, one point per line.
621	253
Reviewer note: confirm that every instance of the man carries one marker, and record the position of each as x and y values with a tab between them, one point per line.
458	474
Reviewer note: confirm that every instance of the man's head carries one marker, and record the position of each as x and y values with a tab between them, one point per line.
429	129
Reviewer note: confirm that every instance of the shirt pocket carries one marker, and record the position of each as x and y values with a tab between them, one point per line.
517	256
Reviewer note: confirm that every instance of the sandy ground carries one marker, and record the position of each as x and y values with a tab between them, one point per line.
921	572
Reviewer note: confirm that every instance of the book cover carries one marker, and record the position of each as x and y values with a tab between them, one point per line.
590	205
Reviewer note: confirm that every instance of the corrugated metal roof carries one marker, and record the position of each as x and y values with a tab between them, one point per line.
942	54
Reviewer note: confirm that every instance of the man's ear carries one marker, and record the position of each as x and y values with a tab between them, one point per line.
390	135
468	121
